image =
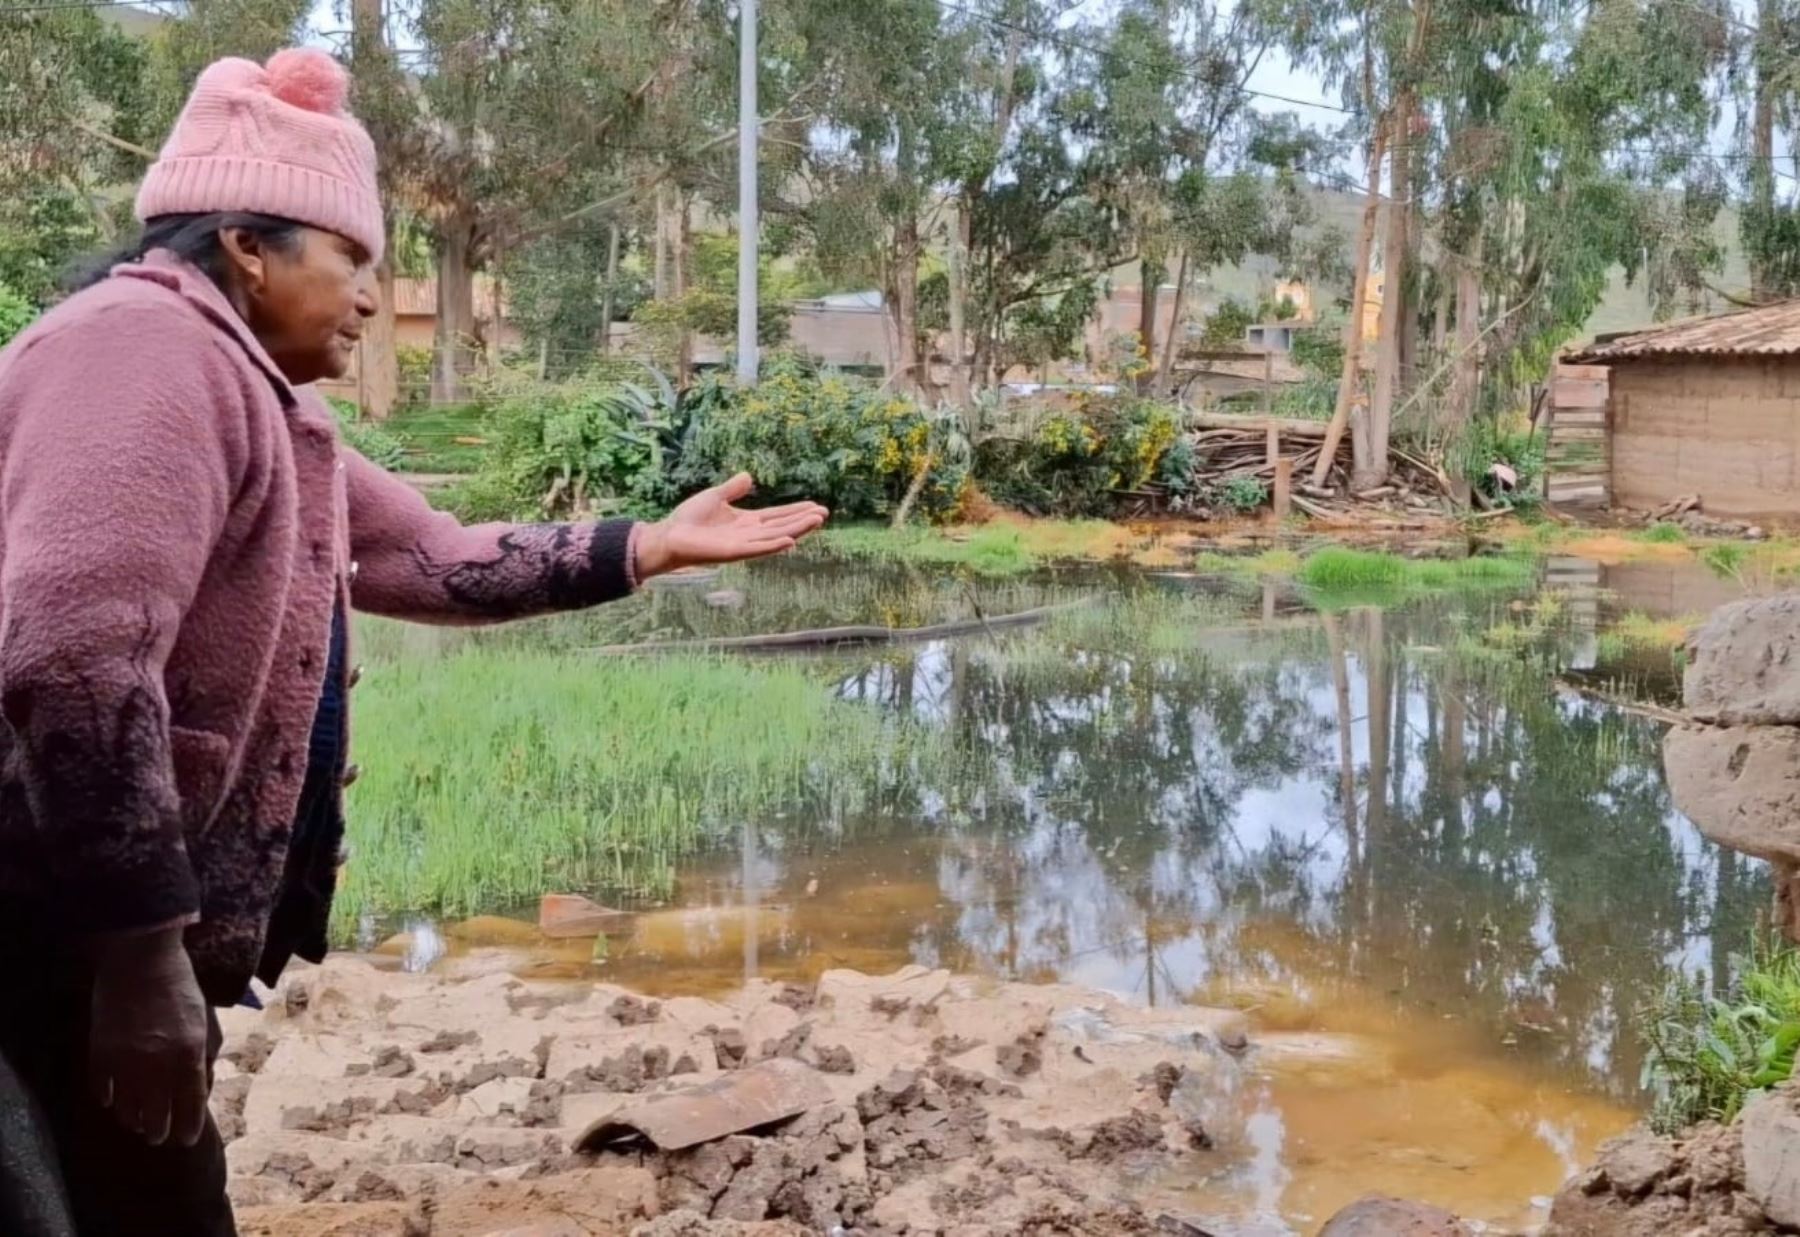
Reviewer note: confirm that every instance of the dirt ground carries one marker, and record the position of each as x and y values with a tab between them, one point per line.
365	1103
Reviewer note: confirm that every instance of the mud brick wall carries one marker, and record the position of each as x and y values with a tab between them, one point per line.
1727	429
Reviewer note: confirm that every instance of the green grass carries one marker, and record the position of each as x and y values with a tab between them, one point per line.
985	550
1337	575
1708	1054
496	774
1642	631
1663	533
430	438
1268	563
1727	558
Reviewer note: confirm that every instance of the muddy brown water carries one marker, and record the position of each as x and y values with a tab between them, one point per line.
1385	826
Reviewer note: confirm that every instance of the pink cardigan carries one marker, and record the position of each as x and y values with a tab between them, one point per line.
176	522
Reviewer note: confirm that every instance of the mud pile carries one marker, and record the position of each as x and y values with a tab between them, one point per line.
364	1103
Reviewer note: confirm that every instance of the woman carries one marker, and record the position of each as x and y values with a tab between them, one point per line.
181	534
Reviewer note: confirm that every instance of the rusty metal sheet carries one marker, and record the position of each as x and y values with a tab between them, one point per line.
746	1099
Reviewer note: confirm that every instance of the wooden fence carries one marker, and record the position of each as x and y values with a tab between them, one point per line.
1578	429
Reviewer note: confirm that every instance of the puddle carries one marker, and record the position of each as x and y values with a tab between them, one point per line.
1438	883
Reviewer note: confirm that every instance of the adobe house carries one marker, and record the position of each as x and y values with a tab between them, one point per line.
1709	406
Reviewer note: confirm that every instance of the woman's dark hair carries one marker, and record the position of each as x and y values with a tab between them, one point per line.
192	238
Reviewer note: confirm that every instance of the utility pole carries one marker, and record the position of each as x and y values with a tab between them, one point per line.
748	360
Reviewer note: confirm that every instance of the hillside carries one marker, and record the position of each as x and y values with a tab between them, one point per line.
1625	306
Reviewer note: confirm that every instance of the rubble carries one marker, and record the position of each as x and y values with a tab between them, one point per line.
369	1104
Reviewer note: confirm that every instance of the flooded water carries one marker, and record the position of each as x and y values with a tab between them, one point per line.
1397	837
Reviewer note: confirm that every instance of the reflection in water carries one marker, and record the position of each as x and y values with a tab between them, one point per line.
1368	829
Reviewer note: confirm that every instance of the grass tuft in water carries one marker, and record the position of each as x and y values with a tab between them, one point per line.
1337	575
1706	1055
985	550
1663	533
1726	559
1642	631
1268	563
495	775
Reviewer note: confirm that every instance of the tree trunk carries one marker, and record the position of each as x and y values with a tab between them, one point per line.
1465	379
959	247
1762	162
663	269
903	306
378	360
1372	435
1149	299
455	308
608	295
1350	386
1167	367
683	261
495	316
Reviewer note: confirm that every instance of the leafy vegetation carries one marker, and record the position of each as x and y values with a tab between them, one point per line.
375	442
1710	1052
574	449
834	439
1663	533
16	313
1077	462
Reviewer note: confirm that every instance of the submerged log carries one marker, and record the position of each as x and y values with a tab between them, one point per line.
836	637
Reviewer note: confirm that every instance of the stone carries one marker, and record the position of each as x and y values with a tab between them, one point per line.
1771	1126
726	599
569	916
1739	785
1391	1217
1745	669
1636	1162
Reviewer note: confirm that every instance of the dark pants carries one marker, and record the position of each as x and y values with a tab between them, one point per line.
116	1184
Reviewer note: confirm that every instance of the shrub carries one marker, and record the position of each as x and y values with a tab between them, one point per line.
16	313
1663	533
1707	1054
369	438
1075	462
1240	494
829	438
574	450
1485	444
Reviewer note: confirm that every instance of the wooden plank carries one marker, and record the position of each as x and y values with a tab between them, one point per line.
1571	433
1284	486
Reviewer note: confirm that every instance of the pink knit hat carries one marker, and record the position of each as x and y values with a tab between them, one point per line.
273	140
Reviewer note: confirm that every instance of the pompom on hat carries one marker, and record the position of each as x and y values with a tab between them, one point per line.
271	139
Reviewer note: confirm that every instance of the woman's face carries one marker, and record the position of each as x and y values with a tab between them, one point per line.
305	302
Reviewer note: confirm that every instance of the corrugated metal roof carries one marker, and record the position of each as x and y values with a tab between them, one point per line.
1770	330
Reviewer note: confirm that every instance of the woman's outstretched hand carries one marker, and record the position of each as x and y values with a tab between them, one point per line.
707	529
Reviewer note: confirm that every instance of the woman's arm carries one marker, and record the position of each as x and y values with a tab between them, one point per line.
126	441
420	564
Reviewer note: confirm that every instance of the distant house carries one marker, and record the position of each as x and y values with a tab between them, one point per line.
1710	407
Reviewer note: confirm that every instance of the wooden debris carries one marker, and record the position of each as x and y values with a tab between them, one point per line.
1228	447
